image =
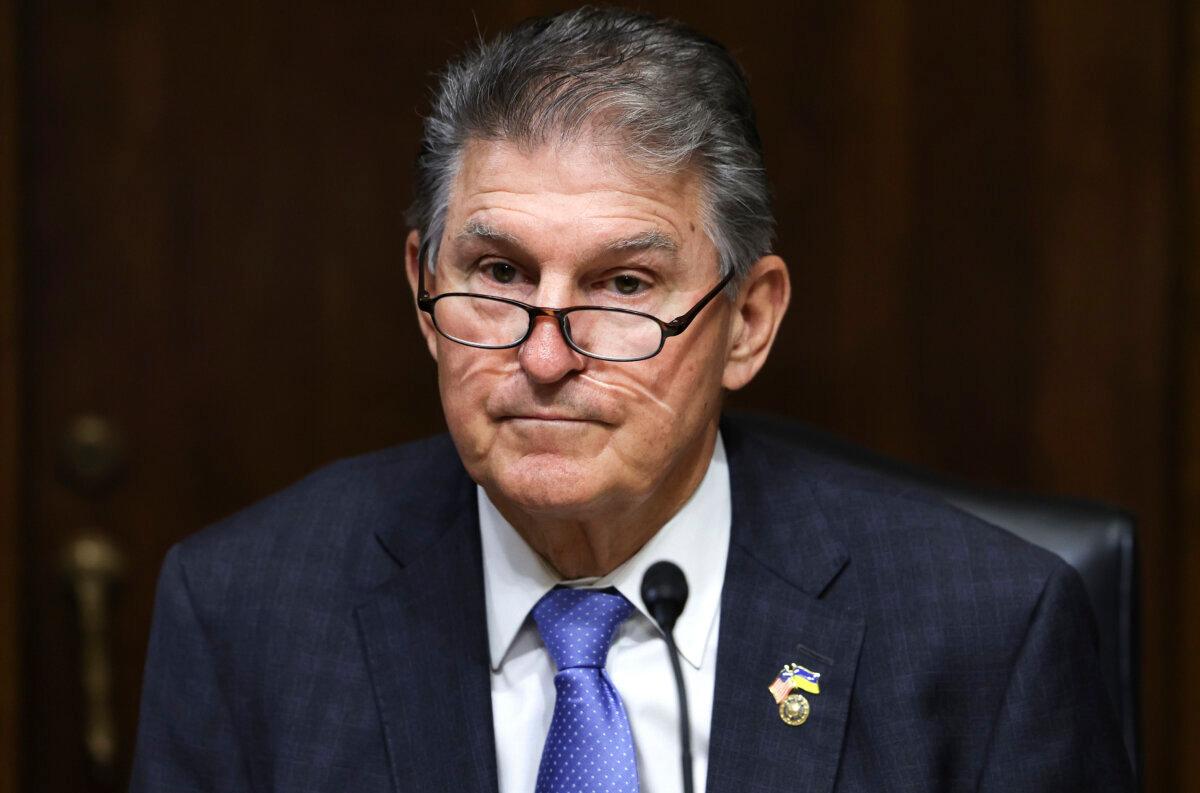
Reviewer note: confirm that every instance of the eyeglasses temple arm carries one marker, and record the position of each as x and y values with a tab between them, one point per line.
423	299
680	323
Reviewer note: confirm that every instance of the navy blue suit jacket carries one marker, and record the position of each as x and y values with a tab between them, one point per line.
332	638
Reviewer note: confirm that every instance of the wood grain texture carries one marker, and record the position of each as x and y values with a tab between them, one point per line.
11	638
1104	212
1184	620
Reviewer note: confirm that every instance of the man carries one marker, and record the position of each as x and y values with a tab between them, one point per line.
591	267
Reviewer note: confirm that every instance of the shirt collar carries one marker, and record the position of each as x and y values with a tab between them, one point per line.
696	539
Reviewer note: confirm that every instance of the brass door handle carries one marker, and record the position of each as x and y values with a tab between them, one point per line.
93	565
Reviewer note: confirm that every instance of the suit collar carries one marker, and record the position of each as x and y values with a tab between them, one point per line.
429	503
778	519
783	562
425	641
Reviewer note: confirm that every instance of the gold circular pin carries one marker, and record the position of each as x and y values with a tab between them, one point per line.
794	710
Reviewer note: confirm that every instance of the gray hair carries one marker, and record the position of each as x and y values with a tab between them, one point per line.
669	97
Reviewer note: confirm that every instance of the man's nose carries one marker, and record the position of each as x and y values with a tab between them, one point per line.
545	356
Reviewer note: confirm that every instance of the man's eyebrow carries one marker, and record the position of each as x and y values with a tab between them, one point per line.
477	229
647	240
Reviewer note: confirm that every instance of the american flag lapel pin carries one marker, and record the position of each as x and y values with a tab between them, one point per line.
786	688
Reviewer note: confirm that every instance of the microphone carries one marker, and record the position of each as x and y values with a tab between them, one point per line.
665	592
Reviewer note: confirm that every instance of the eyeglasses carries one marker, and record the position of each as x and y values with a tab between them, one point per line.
498	323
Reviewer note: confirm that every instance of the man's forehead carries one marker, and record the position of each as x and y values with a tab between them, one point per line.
580	193
586	156
567	172
649	240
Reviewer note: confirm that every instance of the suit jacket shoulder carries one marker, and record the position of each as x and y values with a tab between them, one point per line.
256	677
975	656
319	533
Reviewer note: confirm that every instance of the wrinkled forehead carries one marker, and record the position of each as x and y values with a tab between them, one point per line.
573	193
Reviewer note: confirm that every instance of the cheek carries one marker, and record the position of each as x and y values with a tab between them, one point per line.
666	407
465	379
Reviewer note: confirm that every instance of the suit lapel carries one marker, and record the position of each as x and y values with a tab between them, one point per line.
424	634
782	559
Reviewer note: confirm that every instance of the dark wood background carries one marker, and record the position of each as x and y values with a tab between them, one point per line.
10	417
989	210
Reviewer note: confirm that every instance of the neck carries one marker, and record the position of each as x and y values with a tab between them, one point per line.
598	541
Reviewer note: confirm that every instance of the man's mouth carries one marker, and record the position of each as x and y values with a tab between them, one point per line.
547	417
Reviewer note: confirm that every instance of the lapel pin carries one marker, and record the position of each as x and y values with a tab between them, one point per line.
791	680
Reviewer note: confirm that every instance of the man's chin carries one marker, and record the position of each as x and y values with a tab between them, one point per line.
551	483
530	434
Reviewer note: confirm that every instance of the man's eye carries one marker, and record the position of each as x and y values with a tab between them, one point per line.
628	284
503	272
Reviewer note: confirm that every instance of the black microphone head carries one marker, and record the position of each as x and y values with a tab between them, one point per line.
664	591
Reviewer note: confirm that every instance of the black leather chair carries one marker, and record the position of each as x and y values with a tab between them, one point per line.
1097	540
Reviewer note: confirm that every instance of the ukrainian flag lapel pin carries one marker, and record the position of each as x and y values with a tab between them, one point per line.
791	680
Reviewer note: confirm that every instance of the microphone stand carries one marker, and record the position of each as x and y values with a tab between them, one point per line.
665	591
685	726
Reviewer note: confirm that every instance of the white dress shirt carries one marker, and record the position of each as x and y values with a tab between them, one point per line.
515	578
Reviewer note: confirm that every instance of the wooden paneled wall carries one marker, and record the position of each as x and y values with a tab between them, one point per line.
11	642
1182	579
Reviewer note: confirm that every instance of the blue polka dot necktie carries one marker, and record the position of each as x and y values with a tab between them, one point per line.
589	747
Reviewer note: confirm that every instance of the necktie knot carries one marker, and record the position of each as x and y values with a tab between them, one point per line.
577	625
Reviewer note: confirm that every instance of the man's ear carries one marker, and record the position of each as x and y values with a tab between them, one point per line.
758	310
412	261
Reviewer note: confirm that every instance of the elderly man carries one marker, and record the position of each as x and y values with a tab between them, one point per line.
592	271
